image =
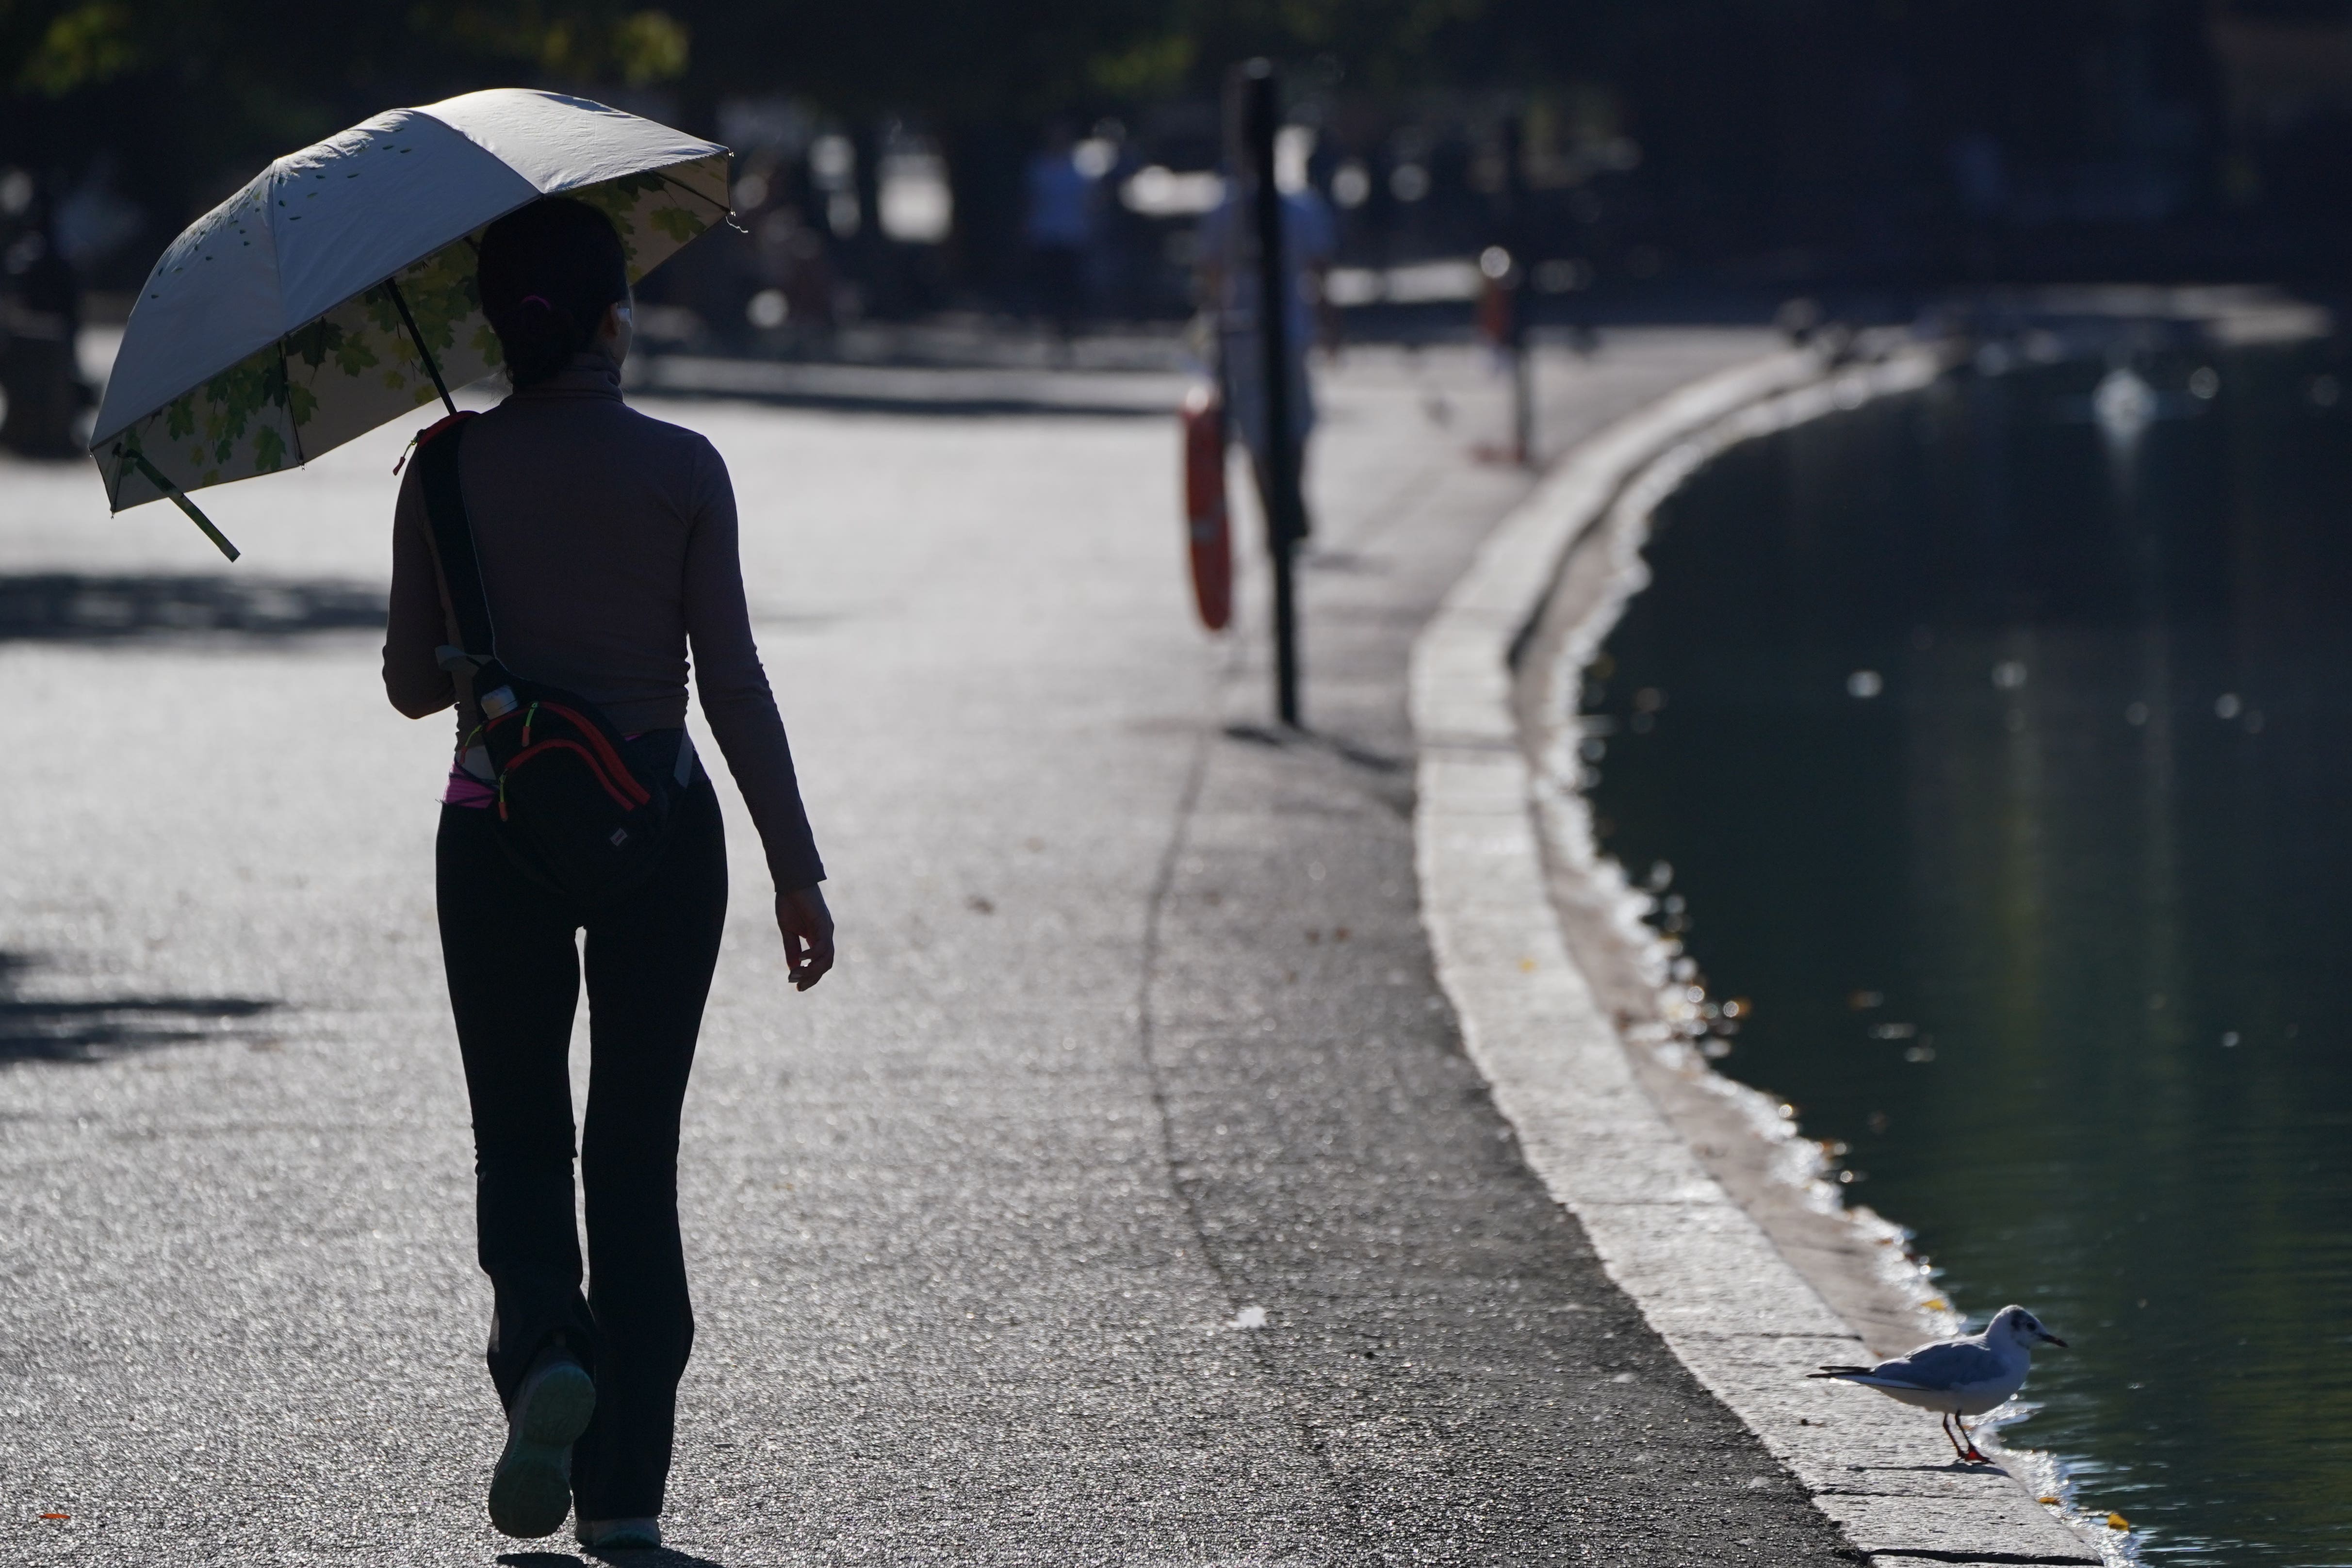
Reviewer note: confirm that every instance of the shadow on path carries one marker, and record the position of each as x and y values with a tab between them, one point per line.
650	1557
63	607
1369	758
98	1030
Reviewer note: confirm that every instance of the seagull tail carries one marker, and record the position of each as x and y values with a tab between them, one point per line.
1838	1371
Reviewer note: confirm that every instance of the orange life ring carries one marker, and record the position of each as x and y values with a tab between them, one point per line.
1206	517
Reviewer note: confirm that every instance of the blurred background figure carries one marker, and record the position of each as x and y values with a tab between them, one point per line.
1672	148
1229	292
795	275
40	323
1060	227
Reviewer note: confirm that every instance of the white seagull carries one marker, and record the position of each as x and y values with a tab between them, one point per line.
1966	1376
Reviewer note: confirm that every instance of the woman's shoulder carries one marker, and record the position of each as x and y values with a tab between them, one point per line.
670	435
613	426
687	454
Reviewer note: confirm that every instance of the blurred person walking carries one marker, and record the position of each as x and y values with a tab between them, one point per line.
42	394
1059	227
606	547
1230	290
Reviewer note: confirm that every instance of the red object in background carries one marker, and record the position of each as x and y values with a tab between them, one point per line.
1494	304
1205	515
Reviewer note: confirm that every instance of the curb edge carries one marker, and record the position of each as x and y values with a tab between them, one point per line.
1703	1274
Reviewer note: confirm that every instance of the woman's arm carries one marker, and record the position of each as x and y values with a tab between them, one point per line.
415	624
741	709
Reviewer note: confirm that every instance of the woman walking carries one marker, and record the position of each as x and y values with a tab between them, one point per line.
606	543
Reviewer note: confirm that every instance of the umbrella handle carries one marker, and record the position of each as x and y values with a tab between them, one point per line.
179	499
401	304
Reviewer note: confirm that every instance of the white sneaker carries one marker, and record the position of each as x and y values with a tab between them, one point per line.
619	1535
530	1491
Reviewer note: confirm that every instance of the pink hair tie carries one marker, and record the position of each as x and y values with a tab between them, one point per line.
536	299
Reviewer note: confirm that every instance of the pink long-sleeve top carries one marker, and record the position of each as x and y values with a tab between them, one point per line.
607	542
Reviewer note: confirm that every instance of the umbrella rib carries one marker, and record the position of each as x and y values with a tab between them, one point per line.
702	196
286	389
431	369
726	209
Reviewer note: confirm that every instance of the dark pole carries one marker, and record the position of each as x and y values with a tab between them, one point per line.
1285	511
1518	301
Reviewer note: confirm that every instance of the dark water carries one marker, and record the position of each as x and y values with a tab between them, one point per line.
2053	930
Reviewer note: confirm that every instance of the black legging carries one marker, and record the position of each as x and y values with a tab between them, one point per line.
514	982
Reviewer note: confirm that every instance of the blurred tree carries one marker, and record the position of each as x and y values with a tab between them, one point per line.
191	97
1776	128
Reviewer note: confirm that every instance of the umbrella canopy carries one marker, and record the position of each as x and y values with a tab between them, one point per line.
336	291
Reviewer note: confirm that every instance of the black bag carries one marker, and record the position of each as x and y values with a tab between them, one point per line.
572	810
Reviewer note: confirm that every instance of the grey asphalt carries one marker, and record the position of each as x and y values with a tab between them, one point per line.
1134	1032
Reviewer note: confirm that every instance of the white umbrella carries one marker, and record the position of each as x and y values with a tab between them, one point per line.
336	290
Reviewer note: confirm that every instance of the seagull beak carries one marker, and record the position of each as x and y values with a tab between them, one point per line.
2049	1338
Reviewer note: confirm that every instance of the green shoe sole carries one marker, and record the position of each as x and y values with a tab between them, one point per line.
530	1491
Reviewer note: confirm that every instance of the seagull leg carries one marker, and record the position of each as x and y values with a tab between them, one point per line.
1971	1455
1943	1424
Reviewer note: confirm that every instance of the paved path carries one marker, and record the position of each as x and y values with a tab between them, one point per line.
1134	1031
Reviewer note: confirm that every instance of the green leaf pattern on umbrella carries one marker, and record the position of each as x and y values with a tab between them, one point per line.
355	367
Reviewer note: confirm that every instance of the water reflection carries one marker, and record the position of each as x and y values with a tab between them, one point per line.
1998	737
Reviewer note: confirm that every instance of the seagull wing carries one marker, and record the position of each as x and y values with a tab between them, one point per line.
1953	1364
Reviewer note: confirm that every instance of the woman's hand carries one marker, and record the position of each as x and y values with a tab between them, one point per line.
807	926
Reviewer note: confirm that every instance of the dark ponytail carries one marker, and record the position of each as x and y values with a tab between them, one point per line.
547	273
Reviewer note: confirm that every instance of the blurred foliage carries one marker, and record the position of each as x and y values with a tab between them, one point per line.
181	100
1756	125
1028	59
80	47
582	44
238	68
221	54
184	99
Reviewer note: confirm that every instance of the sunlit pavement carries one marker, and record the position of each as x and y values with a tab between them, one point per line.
1133	1041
